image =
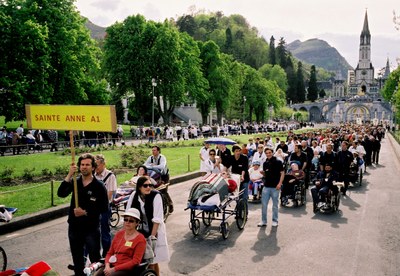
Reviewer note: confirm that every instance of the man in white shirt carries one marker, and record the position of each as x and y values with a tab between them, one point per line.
110	182
157	162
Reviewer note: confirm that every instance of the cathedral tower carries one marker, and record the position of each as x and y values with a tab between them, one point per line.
364	81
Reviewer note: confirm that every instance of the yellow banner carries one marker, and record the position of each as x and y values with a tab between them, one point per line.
72	117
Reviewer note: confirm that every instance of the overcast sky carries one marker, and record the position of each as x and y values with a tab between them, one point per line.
338	22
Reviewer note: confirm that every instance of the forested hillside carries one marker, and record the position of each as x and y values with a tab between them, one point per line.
320	53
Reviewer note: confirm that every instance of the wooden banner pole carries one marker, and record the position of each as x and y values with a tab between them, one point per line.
72	145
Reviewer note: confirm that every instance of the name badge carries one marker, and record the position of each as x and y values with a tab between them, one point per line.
128	243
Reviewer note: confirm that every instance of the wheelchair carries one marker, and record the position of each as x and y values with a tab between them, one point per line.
355	174
332	200
297	195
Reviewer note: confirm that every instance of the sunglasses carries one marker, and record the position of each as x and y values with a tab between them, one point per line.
148	185
130	220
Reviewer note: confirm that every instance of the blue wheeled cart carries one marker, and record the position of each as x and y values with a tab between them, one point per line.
232	205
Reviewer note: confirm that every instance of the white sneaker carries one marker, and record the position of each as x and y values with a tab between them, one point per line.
261	224
274	224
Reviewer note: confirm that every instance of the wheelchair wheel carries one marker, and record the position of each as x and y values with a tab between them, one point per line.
207	218
195	226
114	219
241	214
337	203
3	259
148	272
165	209
224	230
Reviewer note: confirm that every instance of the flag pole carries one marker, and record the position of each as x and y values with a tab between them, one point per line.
72	145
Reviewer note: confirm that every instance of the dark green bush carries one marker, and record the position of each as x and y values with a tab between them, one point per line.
6	174
28	174
133	157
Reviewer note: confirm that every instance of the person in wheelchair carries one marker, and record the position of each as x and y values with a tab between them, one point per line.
127	248
292	179
324	184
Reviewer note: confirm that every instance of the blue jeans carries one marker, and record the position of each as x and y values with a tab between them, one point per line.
268	193
105	231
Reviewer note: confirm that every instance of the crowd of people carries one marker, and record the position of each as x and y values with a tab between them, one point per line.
268	168
193	131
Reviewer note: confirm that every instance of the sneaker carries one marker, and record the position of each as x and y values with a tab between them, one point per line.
262	224
274	224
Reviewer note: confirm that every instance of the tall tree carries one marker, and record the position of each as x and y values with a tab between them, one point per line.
275	73
137	51
281	53
291	94
47	57
228	41
272	54
186	23
300	86
312	91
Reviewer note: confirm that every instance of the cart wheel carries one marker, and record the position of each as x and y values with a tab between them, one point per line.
241	214
195	226
207	218
225	230
148	272
114	219
3	259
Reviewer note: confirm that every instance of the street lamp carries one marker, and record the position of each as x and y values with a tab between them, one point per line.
244	107
154	84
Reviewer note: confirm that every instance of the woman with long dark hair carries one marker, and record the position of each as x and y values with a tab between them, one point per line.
149	202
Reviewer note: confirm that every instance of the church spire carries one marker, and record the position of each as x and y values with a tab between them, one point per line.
365	37
365	30
387	70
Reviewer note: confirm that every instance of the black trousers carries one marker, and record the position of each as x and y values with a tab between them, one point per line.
375	156
81	241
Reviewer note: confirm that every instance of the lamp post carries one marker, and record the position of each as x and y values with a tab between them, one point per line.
154	84
244	107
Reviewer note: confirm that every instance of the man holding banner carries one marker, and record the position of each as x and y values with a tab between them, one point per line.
89	198
84	221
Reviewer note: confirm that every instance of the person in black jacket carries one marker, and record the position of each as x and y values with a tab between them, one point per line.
84	221
239	164
329	156
323	184
376	147
344	158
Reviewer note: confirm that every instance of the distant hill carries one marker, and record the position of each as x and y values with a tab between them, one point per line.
319	53
96	32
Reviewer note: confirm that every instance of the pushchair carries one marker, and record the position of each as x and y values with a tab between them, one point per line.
210	198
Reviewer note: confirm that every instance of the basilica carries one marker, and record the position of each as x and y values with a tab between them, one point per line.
358	98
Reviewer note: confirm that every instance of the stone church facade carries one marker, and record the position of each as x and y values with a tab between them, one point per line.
358	99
